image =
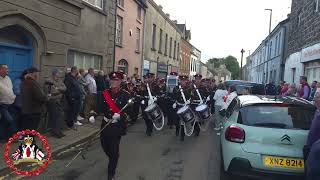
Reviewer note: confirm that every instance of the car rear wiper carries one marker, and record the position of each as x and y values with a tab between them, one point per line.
271	125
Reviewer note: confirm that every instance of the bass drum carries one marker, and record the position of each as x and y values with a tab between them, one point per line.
204	116
155	114
187	119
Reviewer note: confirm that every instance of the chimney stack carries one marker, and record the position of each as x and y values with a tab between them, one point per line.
168	15
160	7
175	21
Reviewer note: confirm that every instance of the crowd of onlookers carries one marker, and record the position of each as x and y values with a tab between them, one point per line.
303	90
74	98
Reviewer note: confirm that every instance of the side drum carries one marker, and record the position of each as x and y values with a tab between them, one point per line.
186	114
153	112
203	111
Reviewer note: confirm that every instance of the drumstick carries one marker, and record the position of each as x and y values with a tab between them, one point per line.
183	96
197	90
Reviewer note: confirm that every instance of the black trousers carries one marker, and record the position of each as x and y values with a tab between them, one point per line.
30	121
73	111
55	116
146	119
110	145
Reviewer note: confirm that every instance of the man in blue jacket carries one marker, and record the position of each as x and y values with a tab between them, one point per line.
74	96
313	160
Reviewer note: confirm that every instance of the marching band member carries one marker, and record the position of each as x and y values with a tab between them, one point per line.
110	136
183	81
172	113
148	79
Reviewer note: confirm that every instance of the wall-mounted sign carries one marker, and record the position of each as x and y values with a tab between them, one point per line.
311	53
162	67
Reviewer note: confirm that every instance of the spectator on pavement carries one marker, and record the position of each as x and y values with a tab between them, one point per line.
271	89
313	161
55	89
18	102
318	89
304	91
84	90
33	99
279	87
313	90
312	148
292	91
91	98
101	86
314	133
218	103
74	97
284	88
7	98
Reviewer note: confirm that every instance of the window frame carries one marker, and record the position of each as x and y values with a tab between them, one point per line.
120	3
138	39
174	49
154	36
125	66
139	13
73	55
119	32
166	45
170	46
160	41
95	3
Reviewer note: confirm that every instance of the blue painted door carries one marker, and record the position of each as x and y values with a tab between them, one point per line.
17	59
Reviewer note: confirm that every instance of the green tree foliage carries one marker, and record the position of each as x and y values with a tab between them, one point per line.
230	62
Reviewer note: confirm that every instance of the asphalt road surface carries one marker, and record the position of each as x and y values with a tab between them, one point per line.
160	157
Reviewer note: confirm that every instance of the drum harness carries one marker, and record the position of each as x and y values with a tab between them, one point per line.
151	101
185	104
201	102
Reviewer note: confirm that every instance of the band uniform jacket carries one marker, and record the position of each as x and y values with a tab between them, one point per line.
119	128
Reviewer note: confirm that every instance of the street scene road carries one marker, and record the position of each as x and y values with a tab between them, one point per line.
160	157
70	67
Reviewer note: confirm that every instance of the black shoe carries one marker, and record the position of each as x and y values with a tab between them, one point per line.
148	133
197	134
57	135
181	138
61	134
177	132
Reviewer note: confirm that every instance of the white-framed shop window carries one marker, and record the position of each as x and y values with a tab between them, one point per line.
84	60
95	3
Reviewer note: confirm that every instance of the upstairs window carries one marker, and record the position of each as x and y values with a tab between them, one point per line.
139	13
95	3
120	3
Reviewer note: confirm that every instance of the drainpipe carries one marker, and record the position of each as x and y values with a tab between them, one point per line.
283	60
114	40
143	42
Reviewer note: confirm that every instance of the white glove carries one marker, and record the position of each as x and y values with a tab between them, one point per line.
208	98
116	117
174	105
142	102
188	102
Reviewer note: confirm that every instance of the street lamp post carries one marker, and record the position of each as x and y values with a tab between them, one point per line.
270	19
242	51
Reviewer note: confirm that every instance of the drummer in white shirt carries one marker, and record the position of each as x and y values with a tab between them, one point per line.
219	102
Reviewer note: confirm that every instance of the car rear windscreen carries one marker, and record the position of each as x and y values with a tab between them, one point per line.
277	116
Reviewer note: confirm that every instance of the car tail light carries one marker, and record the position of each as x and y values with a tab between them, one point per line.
235	134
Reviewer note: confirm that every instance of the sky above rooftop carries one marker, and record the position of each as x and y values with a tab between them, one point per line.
223	27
